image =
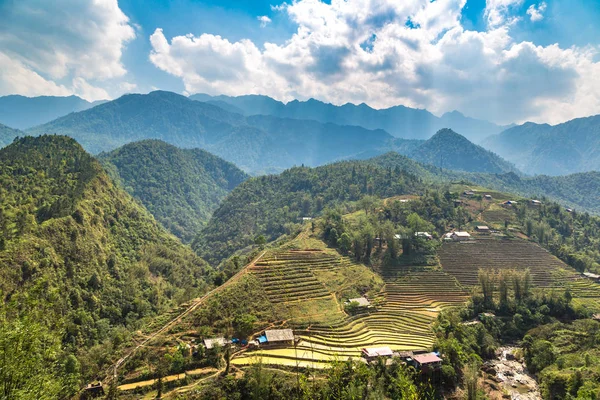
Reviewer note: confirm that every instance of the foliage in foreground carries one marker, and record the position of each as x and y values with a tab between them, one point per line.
83	254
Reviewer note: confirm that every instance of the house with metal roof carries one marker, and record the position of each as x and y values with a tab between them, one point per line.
362	301
427	361
279	336
373	353
460	236
211	343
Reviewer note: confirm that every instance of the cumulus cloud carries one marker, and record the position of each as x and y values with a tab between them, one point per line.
74	41
264	21
386	52
498	12
536	13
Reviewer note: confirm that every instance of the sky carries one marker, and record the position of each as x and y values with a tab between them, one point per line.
507	61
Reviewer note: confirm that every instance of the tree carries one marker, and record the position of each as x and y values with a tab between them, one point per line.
27	354
368	203
488	286
260	241
345	243
471	381
244	325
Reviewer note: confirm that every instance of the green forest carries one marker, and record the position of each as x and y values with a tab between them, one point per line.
180	187
83	265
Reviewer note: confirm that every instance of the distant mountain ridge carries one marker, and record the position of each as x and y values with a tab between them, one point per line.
566	148
7	135
400	121
258	144
450	150
25	112
180	187
580	191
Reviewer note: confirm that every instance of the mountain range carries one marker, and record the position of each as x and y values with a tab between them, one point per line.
570	147
257	143
25	112
400	121
180	187
262	135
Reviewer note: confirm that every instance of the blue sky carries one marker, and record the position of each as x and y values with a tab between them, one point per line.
501	60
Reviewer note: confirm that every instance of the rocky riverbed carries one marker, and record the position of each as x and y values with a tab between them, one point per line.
507	377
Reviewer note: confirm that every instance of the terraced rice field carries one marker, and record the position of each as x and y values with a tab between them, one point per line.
464	259
496	214
586	293
288	276
402	318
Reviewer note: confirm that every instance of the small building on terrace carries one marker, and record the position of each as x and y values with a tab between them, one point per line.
362	301
279	337
373	353
424	235
213	342
594	277
427	362
460	236
482	229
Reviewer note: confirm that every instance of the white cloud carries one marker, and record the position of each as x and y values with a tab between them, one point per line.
75	41
366	51
497	12
264	20
89	92
536	13
17	78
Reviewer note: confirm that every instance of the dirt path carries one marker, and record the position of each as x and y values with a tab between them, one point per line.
195	304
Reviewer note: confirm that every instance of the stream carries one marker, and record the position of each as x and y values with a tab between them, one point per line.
511	377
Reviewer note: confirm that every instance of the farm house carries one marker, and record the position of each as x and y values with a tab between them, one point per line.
460	236
362	301
482	229
427	363
424	235
279	337
373	353
211	343
594	277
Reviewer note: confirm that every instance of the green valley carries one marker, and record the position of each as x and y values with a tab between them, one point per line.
180	187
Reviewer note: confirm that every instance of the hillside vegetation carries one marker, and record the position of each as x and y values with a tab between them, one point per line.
180	187
273	205
565	148
576	191
81	264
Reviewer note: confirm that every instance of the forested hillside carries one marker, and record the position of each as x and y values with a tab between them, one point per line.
400	121
25	112
180	187
274	204
81	265
7	135
578	191
570	147
447	149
